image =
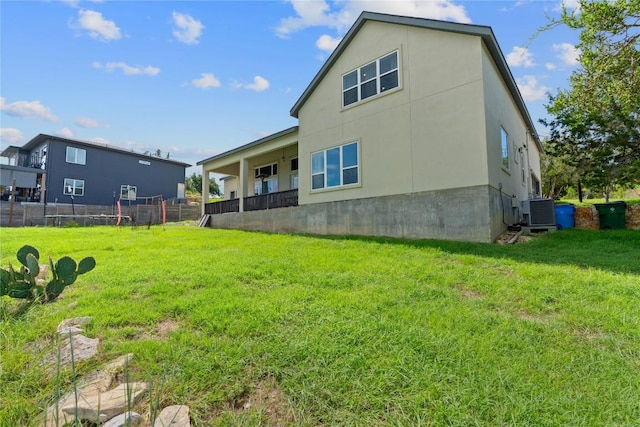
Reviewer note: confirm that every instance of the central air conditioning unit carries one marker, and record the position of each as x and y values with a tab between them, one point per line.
538	212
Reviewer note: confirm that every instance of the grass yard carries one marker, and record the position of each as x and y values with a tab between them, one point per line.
252	329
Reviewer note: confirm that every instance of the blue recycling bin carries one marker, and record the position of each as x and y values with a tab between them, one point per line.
565	216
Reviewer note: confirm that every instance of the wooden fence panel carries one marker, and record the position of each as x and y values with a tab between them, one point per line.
39	214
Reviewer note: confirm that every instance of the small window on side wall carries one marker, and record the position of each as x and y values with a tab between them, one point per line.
504	141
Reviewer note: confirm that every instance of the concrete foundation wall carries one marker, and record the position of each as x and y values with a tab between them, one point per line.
456	214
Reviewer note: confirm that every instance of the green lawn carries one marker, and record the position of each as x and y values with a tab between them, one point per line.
344	331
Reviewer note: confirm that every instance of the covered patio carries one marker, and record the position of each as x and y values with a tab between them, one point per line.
260	175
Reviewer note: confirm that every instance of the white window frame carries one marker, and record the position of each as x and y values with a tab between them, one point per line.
128	192
323	154
73	187
522	168
76	156
270	180
504	149
360	80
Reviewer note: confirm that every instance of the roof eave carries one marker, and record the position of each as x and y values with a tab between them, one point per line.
257	142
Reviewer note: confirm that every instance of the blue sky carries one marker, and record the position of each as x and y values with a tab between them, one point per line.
197	78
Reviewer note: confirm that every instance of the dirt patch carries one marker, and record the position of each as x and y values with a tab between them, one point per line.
161	330
536	318
469	293
267	399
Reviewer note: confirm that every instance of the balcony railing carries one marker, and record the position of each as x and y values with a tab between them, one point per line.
281	199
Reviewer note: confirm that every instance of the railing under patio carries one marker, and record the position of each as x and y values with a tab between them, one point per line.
281	199
222	207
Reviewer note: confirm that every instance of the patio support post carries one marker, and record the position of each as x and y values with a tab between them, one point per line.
243	188
205	189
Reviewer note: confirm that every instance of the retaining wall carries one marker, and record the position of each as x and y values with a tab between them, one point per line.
587	217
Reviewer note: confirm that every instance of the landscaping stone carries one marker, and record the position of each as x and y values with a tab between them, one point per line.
92	385
75	322
104	406
83	348
173	416
124	420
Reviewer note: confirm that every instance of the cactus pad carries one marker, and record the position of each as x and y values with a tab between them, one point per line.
24	251
54	288
66	269
32	265
86	264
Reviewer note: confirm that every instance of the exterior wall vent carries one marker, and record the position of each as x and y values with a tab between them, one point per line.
538	212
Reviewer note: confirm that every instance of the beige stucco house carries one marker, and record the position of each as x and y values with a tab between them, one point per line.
413	128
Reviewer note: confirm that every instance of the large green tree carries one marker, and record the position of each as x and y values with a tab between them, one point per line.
595	124
193	185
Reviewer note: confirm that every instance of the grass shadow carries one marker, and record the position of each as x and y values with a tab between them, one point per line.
13	310
616	251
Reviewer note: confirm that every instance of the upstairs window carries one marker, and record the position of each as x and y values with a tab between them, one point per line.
504	141
371	79
335	167
294	164
76	155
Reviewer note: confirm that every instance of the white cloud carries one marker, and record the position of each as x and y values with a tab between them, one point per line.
530	89
127	69
97	26
550	66
188	29
567	53
89	123
207	81
569	5
319	13
64	133
327	43
520	57
28	109
259	84
11	135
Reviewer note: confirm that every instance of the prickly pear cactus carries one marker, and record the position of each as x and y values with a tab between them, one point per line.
24	283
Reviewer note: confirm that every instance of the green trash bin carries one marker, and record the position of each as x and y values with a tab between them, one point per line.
611	215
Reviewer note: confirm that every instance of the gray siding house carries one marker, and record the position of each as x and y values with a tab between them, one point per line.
52	169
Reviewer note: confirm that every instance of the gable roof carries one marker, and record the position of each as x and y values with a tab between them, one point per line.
42	138
482	31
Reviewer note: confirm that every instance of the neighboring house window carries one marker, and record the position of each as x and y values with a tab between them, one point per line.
335	167
128	192
294	182
232	195
73	187
371	79
504	140
76	155
294	164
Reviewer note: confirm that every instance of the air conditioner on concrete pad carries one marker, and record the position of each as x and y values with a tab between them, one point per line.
538	212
